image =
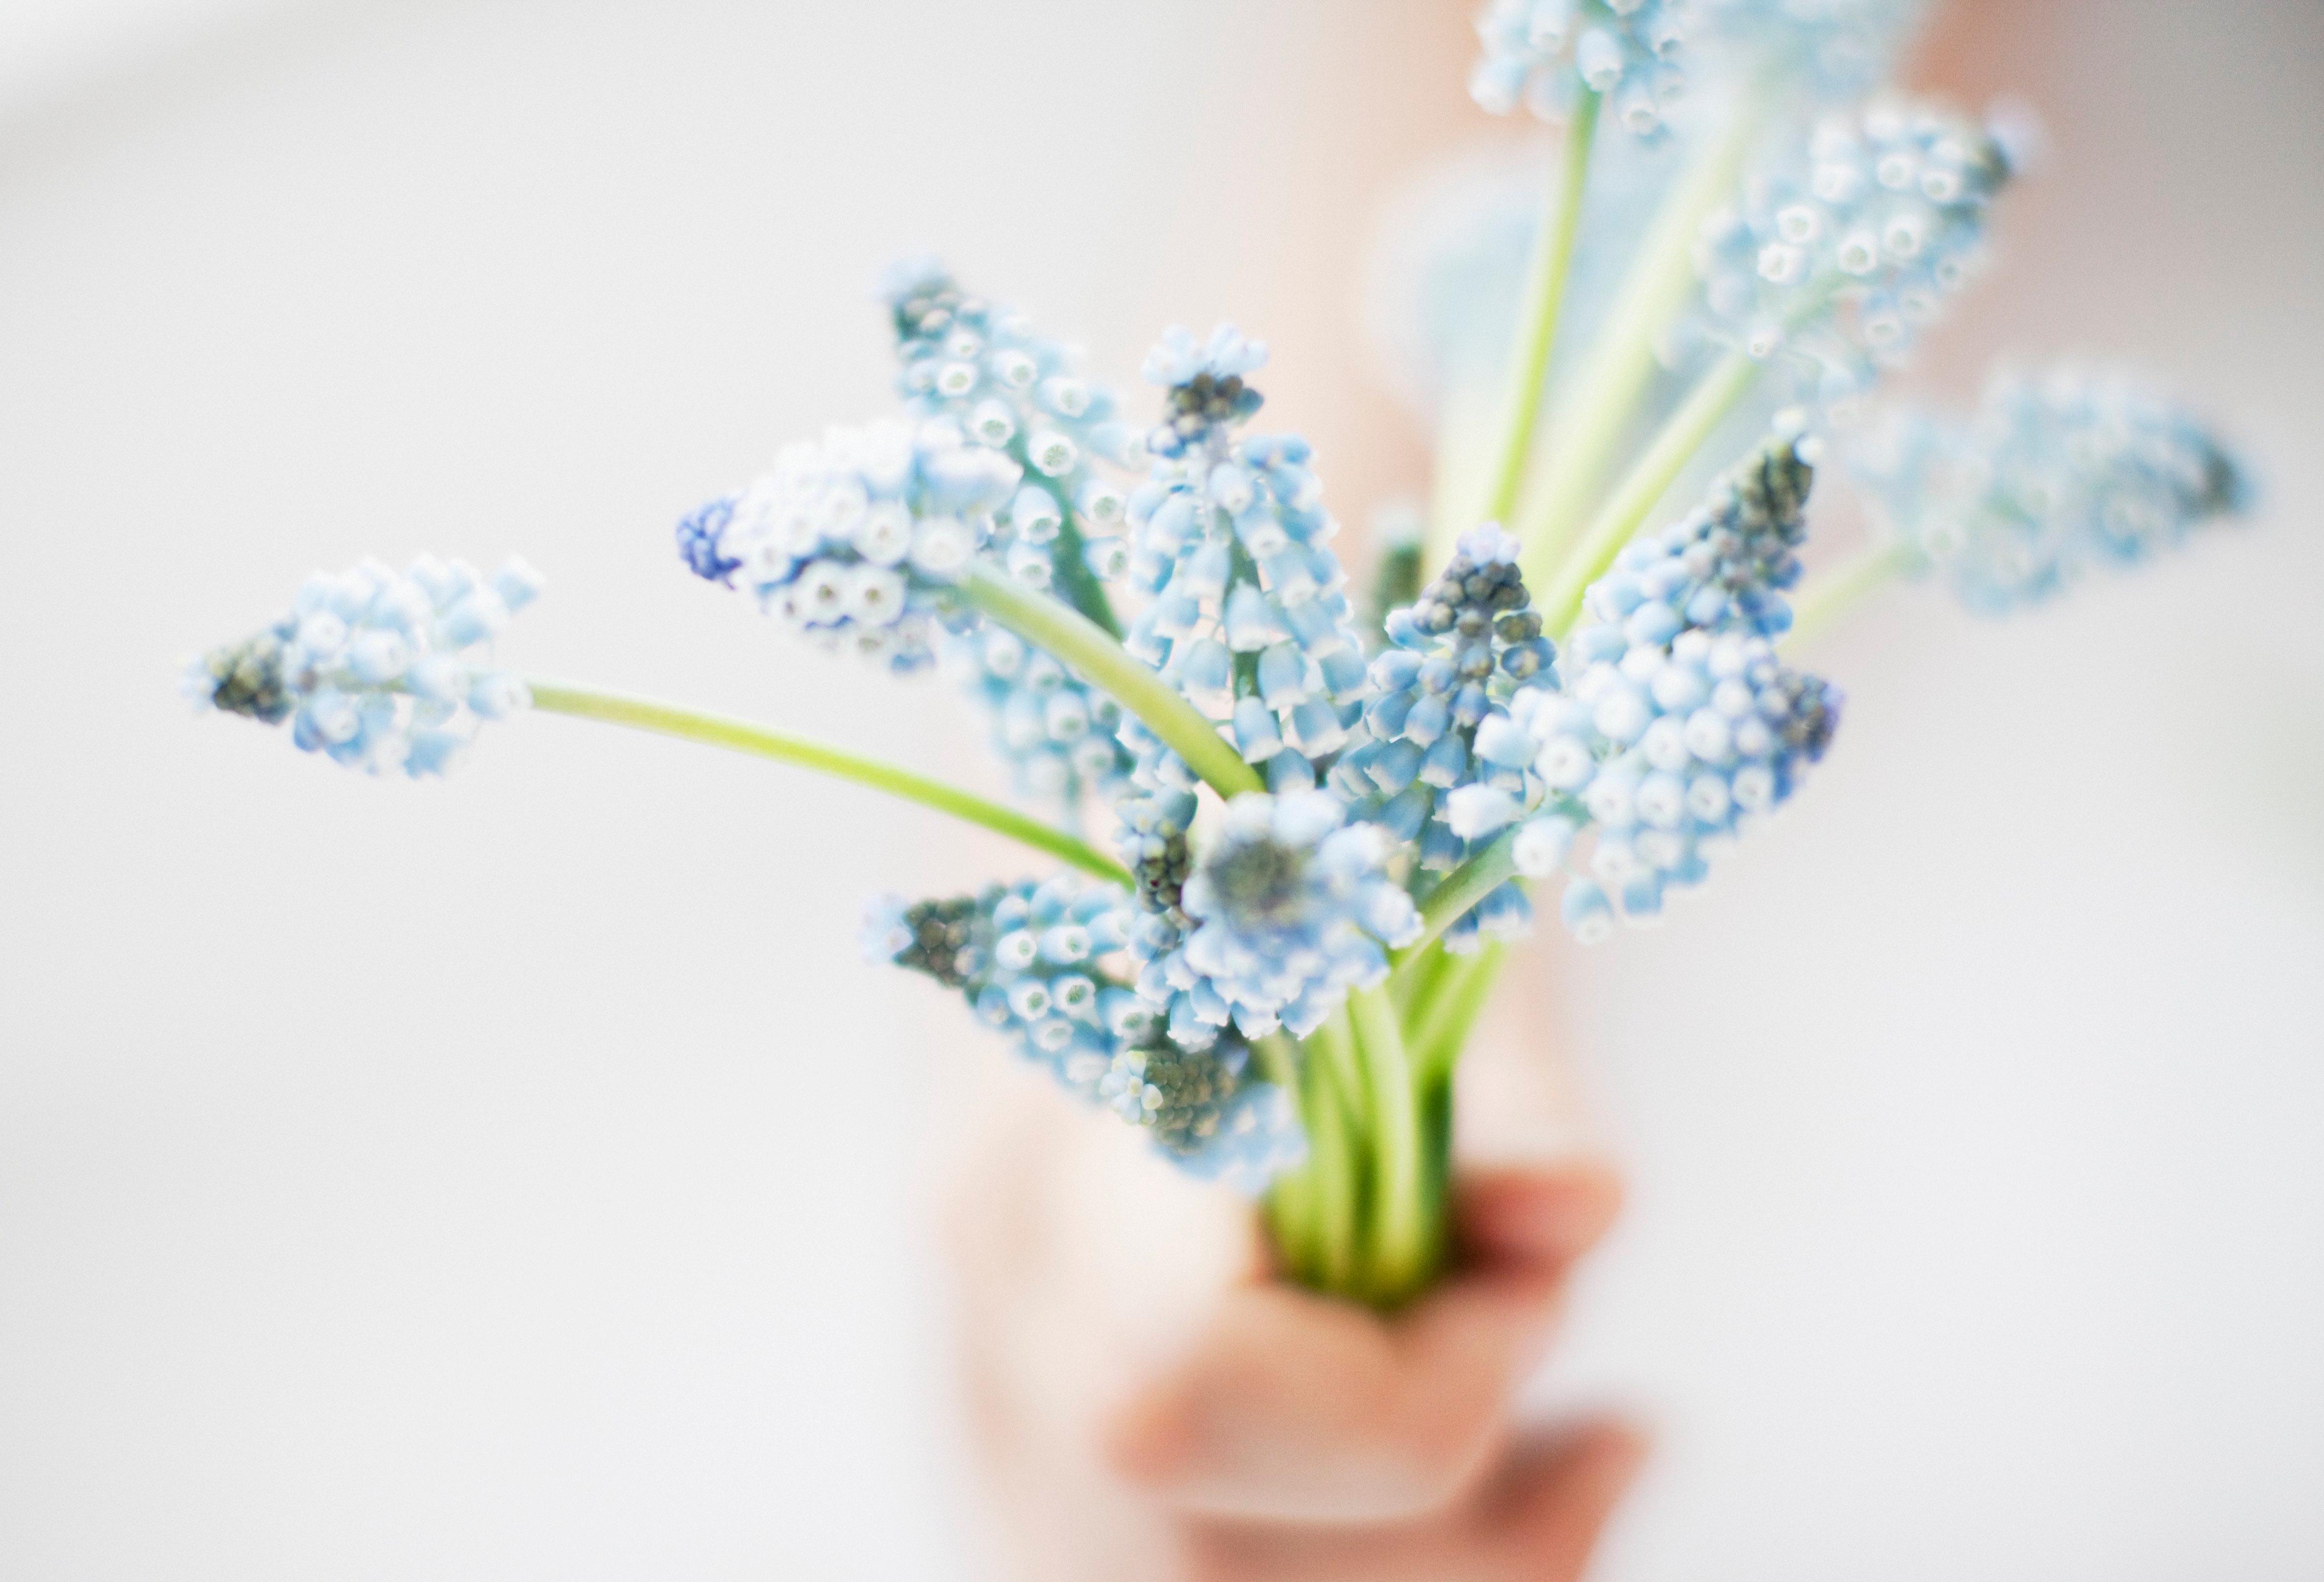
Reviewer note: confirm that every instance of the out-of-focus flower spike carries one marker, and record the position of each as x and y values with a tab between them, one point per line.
1545	53
380	671
2058	476
1842	249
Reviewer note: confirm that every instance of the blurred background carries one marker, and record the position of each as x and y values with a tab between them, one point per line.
523	1178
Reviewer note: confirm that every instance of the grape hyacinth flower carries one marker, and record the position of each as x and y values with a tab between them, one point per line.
2056	477
1290	907
1011	390
1545	53
857	539
1249	617
378	670
1027	957
1679	722
1443	767
1838	254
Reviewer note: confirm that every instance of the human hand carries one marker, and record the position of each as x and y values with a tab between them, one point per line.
1151	1403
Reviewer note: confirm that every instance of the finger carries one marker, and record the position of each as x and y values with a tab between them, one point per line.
1535	1213
1538	1519
1293	1406
1563	1493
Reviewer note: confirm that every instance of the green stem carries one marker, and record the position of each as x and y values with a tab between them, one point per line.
1334	1170
1708	406
1445	1019
1278	1058
1455	894
1402	1231
1848	585
1291	1202
1335	1041
1586	427
1072	637
1075	579
738	736
1544	298
1408	988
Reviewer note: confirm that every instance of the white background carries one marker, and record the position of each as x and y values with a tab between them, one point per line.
520	1177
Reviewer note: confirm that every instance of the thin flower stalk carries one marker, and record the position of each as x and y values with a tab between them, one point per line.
1545	297
1712	401
1580	443
1836	593
742	736
1406	1245
1081	643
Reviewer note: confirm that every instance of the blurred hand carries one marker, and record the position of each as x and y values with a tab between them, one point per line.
1149	1403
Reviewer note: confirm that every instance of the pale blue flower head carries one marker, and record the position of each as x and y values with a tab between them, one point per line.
379	670
1248	613
1207	1110
1013	391
1678	725
1545	53
1842	250
1008	387
2058	476
857	539
1027	957
1032	960
1442	766
1206	393
1727	564
1292	906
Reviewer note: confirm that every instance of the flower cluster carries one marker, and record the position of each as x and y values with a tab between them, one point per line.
857	539
1248	614
1015	392
1443	766
1680	723
2056	475
1840	254
379	670
1289	907
1030	958
1543	53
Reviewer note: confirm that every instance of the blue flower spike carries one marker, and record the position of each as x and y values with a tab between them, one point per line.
857	540
2060	476
1033	962
378	670
1680	724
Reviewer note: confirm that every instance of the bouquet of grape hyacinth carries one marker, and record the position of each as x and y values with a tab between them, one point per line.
1287	827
